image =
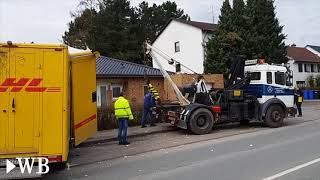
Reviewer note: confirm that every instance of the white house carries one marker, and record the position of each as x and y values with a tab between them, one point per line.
304	63
184	41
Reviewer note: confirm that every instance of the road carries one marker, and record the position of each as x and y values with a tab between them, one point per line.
287	153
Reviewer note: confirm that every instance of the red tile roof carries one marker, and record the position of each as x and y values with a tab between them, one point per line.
300	54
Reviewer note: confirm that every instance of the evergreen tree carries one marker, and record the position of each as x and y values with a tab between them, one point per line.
78	34
224	44
118	30
265	37
225	18
114	33
251	30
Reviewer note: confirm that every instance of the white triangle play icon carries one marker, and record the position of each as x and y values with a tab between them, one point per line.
10	166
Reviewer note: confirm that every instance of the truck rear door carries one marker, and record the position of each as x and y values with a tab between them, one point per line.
24	100
84	108
4	99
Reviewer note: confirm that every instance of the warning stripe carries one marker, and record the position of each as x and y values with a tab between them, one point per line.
86	121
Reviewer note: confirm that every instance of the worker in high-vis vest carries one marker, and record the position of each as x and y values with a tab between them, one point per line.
123	114
298	100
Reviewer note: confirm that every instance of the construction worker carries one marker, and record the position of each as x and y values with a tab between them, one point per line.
149	103
298	99
123	114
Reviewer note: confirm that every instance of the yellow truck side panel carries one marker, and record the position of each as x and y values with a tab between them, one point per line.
4	98
84	96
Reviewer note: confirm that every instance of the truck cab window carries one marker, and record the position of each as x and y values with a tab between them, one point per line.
255	76
280	78
269	77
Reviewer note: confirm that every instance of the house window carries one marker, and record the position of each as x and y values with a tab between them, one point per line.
103	96
116	90
177	46
307	68
300	67
313	68
269	77
301	83
280	78
318	67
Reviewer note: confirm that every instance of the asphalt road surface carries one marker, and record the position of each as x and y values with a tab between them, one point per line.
287	153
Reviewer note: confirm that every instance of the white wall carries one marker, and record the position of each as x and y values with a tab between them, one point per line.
301	76
191	50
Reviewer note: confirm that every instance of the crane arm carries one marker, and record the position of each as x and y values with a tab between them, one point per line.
151	51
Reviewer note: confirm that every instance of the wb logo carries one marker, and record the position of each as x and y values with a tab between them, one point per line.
26	165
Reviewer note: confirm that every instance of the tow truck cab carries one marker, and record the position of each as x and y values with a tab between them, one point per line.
272	85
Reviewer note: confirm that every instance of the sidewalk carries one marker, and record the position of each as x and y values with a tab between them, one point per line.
111	135
311	102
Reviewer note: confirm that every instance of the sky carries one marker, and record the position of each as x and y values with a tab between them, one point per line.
44	21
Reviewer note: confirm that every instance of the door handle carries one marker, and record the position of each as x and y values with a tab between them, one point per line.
4	111
13	105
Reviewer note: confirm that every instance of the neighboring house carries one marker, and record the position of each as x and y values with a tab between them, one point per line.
314	49
185	42
304	63
114	76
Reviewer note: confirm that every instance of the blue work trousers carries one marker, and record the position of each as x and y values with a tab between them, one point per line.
123	128
146	112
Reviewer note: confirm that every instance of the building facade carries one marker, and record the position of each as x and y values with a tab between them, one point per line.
304	63
115	76
185	42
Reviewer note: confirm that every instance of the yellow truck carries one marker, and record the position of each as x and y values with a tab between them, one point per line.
47	100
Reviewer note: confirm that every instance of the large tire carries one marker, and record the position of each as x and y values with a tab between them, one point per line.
245	122
201	121
274	116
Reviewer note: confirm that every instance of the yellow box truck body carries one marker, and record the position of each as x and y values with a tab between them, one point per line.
48	100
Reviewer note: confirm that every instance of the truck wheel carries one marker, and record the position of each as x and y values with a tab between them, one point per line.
274	116
201	121
245	122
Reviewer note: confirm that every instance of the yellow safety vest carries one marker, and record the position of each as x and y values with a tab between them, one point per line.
122	109
154	92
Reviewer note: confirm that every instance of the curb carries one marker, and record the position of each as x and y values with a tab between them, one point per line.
110	139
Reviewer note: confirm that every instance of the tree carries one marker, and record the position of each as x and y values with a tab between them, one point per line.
250	29
225	18
118	30
224	44
78	34
265	37
115	30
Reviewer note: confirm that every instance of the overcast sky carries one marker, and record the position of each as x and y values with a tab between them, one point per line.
44	21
